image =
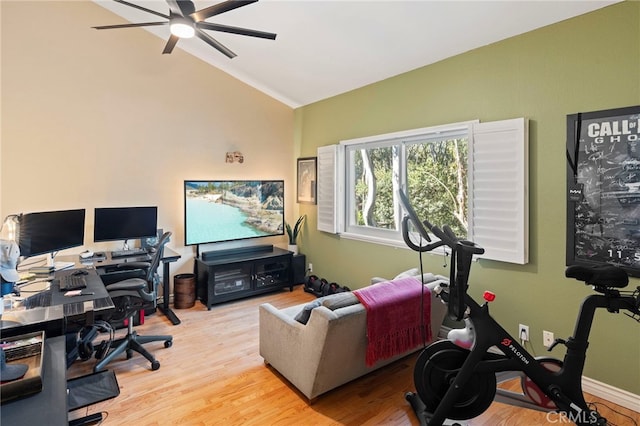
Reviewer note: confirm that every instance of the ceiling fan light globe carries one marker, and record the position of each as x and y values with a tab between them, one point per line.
182	30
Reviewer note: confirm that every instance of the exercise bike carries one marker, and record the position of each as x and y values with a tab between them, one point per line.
455	379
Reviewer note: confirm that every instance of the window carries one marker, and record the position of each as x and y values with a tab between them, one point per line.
470	176
431	163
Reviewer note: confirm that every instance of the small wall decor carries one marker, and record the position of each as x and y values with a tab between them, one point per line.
234	157
307	180
603	188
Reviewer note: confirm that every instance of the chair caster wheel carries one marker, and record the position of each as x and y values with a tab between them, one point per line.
155	365
129	353
168	343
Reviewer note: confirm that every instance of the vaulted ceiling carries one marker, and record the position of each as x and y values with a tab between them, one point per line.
324	48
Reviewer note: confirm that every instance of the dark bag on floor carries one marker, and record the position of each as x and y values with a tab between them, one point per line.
321	287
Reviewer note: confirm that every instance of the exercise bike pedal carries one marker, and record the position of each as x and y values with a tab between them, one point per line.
420	410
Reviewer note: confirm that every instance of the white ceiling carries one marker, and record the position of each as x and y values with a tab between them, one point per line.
325	48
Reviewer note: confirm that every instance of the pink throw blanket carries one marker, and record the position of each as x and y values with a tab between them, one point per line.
393	317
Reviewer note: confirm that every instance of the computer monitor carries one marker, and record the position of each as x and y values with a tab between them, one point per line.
124	223
49	232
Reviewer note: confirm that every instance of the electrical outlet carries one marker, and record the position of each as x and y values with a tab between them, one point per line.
523	332
547	338
310	267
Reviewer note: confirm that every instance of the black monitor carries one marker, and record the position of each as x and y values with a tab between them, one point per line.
124	223
49	232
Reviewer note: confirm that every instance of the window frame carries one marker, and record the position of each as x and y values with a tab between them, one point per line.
393	237
498	191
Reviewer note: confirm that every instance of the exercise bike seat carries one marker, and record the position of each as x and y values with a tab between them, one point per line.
602	276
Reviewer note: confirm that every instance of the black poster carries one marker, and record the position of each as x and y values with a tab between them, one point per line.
603	188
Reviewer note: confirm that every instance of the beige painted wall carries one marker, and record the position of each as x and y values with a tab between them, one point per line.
96	119
584	64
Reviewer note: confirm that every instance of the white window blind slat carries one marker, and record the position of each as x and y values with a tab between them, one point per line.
500	190
328	191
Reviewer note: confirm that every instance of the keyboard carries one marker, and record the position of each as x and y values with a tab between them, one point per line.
38	300
126	253
72	282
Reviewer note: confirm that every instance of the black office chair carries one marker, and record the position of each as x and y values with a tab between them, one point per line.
130	296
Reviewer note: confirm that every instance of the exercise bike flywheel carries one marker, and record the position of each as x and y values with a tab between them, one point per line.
533	391
436	369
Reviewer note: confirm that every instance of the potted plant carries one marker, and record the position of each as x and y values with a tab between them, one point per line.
294	232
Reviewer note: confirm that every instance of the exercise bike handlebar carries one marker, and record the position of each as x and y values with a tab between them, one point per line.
445	235
462	252
411	244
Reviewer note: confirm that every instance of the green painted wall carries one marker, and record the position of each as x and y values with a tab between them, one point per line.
588	63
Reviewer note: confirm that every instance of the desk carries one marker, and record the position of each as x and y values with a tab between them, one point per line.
63	312
49	406
168	256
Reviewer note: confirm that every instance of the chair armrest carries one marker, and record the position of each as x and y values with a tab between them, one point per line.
132	287
127	285
133	265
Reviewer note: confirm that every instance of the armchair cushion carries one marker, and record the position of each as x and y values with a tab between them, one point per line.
339	300
427	277
303	316
332	302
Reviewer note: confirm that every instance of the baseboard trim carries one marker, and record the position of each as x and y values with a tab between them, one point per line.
618	396
602	390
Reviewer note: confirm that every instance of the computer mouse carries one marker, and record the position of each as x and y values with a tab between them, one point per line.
80	272
86	254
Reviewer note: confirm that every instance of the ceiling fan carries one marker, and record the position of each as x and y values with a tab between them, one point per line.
185	22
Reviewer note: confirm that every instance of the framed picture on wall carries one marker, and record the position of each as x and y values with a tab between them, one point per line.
306	181
603	188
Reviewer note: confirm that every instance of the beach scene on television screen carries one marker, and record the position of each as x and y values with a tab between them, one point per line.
231	210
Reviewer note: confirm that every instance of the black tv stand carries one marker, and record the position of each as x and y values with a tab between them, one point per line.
236	273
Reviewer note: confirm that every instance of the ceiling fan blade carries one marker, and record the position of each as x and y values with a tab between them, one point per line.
171	43
183	7
142	8
219	8
143	24
235	30
214	43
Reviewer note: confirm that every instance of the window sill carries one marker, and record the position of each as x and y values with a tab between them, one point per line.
440	251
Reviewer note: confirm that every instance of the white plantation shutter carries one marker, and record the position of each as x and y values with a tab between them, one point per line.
499	190
329	189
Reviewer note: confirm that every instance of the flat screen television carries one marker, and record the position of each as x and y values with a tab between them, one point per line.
50	232
228	210
124	223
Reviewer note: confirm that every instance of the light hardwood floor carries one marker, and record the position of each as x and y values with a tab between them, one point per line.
214	375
